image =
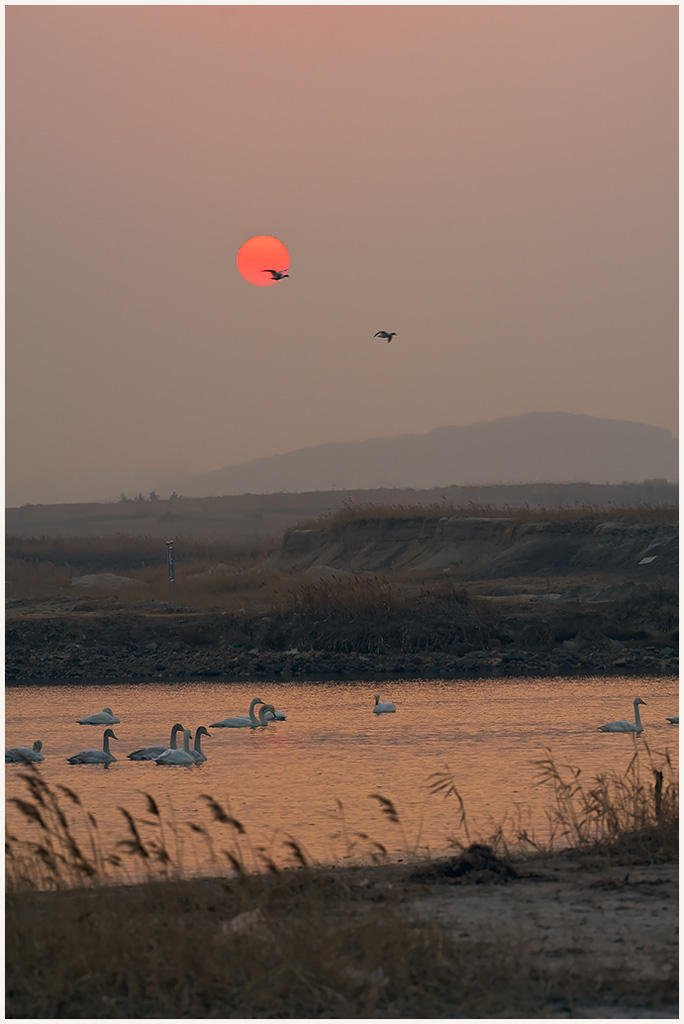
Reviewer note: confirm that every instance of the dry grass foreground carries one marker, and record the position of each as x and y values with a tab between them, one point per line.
589	931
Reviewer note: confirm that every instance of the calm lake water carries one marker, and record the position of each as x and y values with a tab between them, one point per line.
286	780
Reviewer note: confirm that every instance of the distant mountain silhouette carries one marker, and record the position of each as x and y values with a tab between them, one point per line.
552	447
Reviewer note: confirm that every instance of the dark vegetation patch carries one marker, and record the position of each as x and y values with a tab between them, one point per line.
479	862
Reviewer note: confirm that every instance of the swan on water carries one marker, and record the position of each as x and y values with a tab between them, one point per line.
383	707
183	756
674	720
152	753
623	725
271	714
197	753
266	714
240	721
18	754
104	717
96	756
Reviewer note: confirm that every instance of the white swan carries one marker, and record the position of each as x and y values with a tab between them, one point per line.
104	717
266	714
196	753
674	720
271	714
384	707
177	756
18	754
151	753
240	721
623	725
96	756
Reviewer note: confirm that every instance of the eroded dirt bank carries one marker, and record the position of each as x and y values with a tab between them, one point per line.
479	547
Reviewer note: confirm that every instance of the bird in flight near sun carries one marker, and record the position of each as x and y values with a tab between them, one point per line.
276	275
254	257
385	334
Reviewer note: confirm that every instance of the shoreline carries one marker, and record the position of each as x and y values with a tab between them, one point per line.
133	665
368	632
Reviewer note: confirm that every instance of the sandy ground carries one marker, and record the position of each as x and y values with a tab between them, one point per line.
620	920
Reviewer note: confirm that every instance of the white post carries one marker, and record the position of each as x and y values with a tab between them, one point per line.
172	574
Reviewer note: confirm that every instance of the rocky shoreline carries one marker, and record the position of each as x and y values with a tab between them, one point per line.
40	651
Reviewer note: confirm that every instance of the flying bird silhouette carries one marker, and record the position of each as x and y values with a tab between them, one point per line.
276	274
385	334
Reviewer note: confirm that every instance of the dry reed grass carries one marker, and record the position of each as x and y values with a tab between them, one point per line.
374	614
616	817
631	817
335	520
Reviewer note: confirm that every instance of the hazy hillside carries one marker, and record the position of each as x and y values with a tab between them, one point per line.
550	447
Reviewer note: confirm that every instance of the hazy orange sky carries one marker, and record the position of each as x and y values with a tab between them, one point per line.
498	185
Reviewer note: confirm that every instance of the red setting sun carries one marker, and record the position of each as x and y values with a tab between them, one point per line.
259	255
